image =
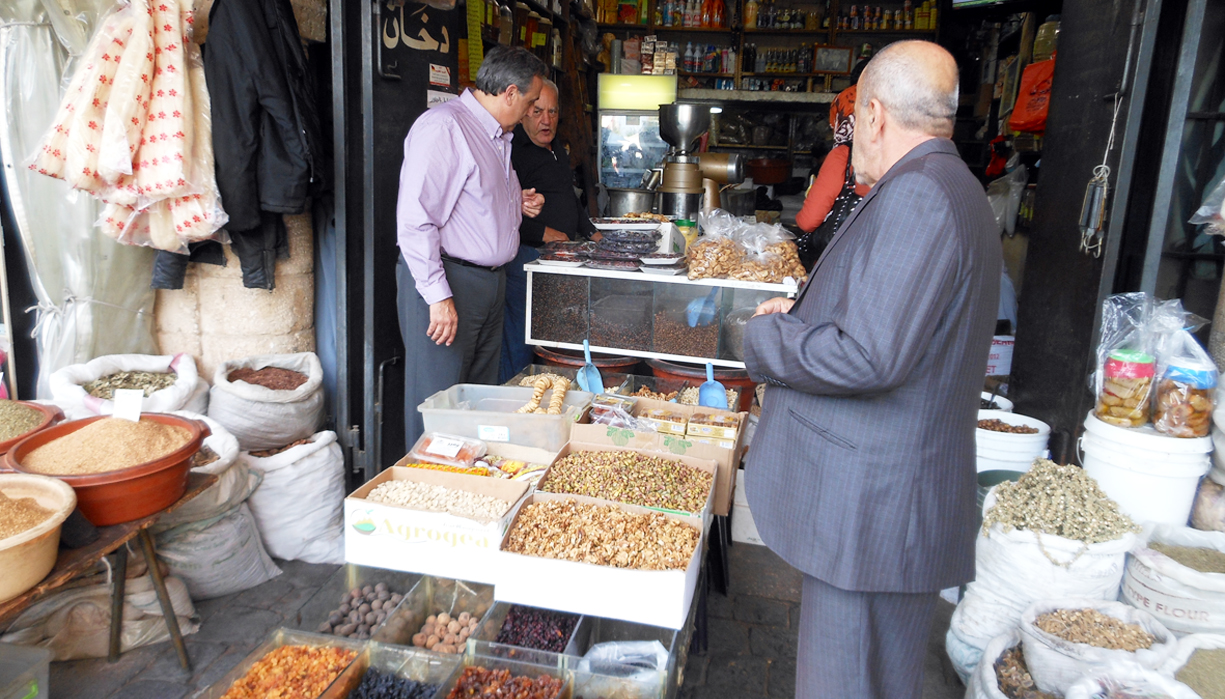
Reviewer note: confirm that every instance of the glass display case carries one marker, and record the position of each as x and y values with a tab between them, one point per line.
630	145
640	315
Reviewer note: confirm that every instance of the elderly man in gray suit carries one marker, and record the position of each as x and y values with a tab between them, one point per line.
862	471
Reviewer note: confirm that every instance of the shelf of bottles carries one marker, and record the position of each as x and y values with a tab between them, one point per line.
524	23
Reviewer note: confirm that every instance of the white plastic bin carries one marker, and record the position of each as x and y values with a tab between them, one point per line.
1005	451
488	413
1152	476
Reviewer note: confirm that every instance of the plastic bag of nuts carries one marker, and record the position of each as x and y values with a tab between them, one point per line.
1184	402
713	257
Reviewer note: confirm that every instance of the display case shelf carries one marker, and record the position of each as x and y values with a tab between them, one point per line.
641	315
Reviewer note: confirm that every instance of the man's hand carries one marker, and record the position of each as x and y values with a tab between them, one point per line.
777	304
533	202
552	235
444	321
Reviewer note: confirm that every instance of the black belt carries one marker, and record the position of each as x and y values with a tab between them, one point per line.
466	263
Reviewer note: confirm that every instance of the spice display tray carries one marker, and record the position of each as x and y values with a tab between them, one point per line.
349	576
515	667
340	688
486	639
658	597
433	595
409	663
433	543
487	413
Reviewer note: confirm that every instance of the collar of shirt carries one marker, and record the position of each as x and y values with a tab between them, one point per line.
482	115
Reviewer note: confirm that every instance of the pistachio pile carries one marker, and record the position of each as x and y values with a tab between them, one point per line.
630	477
1060	500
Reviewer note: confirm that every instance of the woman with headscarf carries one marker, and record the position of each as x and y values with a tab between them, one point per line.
834	193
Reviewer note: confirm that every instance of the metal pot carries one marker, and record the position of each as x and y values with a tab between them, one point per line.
628	201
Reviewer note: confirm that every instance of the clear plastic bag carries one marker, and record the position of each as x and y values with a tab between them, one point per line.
1209	212
643	660
1185	388
1123	381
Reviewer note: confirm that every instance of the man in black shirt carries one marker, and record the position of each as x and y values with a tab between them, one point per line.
546	169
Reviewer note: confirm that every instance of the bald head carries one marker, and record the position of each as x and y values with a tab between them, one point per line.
916	82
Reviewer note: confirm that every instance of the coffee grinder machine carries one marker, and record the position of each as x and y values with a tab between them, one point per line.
691	180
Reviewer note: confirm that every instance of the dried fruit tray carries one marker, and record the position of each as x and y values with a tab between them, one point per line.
340	687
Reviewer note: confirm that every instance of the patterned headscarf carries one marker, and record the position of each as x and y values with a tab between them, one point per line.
842	116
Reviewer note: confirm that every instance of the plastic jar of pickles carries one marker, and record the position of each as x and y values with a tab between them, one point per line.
1126	392
1184	402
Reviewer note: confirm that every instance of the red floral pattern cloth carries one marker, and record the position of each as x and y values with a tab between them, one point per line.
134	129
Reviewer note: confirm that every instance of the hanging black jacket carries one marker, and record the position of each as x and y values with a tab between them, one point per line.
267	139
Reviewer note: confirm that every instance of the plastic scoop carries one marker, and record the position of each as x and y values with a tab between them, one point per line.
589	378
712	394
702	311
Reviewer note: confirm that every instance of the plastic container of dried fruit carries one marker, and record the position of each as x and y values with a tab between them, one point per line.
340	687
594	630
27	557
488	413
431	596
447	449
349	576
409	663
516	669
486	638
25	672
114	497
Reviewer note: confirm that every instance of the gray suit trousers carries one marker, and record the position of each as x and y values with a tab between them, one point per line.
861	645
480	297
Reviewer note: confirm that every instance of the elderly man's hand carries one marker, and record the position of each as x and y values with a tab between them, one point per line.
533	202
777	304
552	235
444	321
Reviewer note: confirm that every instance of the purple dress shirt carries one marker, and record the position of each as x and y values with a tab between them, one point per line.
459	194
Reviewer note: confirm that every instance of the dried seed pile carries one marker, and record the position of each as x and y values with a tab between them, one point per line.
291	672
997	425
361	610
265	453
1094	628
1012	676
17	419
630	477
541	629
270	377
1060	500
483	682
110	444
446	634
1201	559
387	685
644	392
689	396
1205	673
435	498
602	535
20	514
674	336
148	381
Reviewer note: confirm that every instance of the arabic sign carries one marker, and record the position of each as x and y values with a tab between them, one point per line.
423	28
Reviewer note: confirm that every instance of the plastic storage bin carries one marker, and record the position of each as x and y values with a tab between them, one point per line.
488	413
350	575
432	596
559	308
631	683
340	688
24	672
673	333
515	668
409	663
491	626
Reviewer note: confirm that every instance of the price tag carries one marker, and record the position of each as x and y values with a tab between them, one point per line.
446	447
128	403
493	433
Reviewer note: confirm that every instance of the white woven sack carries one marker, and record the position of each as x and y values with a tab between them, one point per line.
218	556
234	480
1127	679
299	506
1015	569
1208	510
983	683
1185	600
262	418
1056	663
198	402
1187	645
67	392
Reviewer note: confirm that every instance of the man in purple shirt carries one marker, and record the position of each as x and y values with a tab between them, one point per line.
457	221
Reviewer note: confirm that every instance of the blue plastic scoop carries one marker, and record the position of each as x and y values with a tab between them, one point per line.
712	394
702	311
589	378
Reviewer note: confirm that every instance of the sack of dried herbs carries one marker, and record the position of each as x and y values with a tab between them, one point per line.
170	382
1179	576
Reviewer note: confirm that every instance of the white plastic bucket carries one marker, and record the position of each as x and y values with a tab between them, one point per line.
1002	403
1006	451
990	463
1151	476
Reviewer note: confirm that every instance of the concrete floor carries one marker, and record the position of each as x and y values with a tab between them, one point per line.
750	648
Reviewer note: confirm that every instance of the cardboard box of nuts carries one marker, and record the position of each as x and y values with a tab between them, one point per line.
435	543
654	597
725	452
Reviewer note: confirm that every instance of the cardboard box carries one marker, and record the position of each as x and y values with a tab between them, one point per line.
655	597
723	431
667	420
433	543
708	465
727	459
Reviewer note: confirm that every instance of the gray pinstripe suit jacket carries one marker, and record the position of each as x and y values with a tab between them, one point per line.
862	469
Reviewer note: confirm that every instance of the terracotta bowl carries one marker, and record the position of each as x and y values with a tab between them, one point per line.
51	416
114	497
